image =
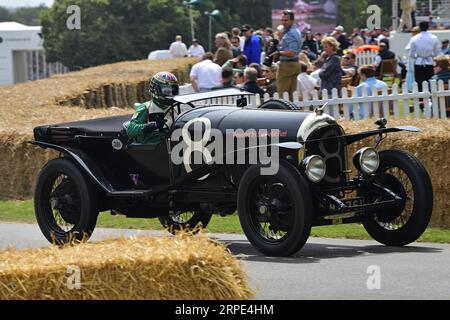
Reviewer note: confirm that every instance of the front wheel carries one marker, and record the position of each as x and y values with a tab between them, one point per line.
186	221
275	211
65	203
402	173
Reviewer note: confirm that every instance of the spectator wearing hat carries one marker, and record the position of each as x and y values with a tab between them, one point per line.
196	49
252	48
341	38
441	69
445	50
289	50
178	49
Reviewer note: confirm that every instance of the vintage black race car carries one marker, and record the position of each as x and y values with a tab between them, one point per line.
101	169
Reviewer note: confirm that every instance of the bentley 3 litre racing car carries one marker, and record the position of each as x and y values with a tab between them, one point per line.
101	169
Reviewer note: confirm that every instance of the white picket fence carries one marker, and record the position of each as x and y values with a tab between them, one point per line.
395	102
364	58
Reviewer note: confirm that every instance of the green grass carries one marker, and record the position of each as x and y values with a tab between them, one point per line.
23	212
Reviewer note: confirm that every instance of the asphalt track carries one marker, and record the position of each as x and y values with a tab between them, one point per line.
324	269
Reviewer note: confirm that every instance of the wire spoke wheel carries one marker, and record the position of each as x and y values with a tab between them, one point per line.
408	194
275	211
406	221
65	203
190	221
182	218
271	209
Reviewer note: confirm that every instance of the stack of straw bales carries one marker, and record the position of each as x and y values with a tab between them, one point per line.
65	97
169	268
431	146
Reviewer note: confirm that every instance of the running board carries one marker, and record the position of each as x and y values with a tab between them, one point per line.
130	193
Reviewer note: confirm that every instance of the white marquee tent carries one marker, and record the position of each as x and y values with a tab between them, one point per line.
22	54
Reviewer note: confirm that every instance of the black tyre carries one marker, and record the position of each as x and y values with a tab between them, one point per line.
275	211
403	173
65	203
277	104
186	221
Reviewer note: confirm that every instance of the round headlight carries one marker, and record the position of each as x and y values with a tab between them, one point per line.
315	168
367	160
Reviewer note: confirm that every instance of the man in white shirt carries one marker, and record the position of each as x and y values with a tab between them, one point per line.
196	50
178	49
206	75
306	83
424	48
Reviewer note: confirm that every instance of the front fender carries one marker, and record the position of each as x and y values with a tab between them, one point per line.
85	164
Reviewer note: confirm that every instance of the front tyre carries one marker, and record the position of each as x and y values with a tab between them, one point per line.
275	211
65	203
402	173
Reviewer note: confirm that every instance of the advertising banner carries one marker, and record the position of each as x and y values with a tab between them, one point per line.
318	15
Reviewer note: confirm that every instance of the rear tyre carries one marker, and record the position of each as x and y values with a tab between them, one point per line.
403	173
186	221
278	104
65	203
275	211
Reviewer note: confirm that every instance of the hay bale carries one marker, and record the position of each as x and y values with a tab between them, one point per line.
19	165
168	268
27	105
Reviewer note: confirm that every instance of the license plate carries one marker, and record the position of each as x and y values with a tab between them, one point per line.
356	202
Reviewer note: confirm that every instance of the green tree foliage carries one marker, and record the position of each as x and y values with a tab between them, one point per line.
114	30
111	30
352	14
257	13
5	15
28	15
25	15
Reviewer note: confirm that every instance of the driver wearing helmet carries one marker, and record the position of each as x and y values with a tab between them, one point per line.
148	121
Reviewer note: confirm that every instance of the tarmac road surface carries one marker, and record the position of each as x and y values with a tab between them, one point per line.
324	269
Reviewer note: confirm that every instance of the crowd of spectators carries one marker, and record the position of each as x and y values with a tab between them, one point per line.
286	60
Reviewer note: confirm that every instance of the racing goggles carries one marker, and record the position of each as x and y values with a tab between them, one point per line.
169	90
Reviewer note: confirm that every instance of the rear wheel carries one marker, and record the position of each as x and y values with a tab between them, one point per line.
402	173
65	203
277	104
275	211
190	221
